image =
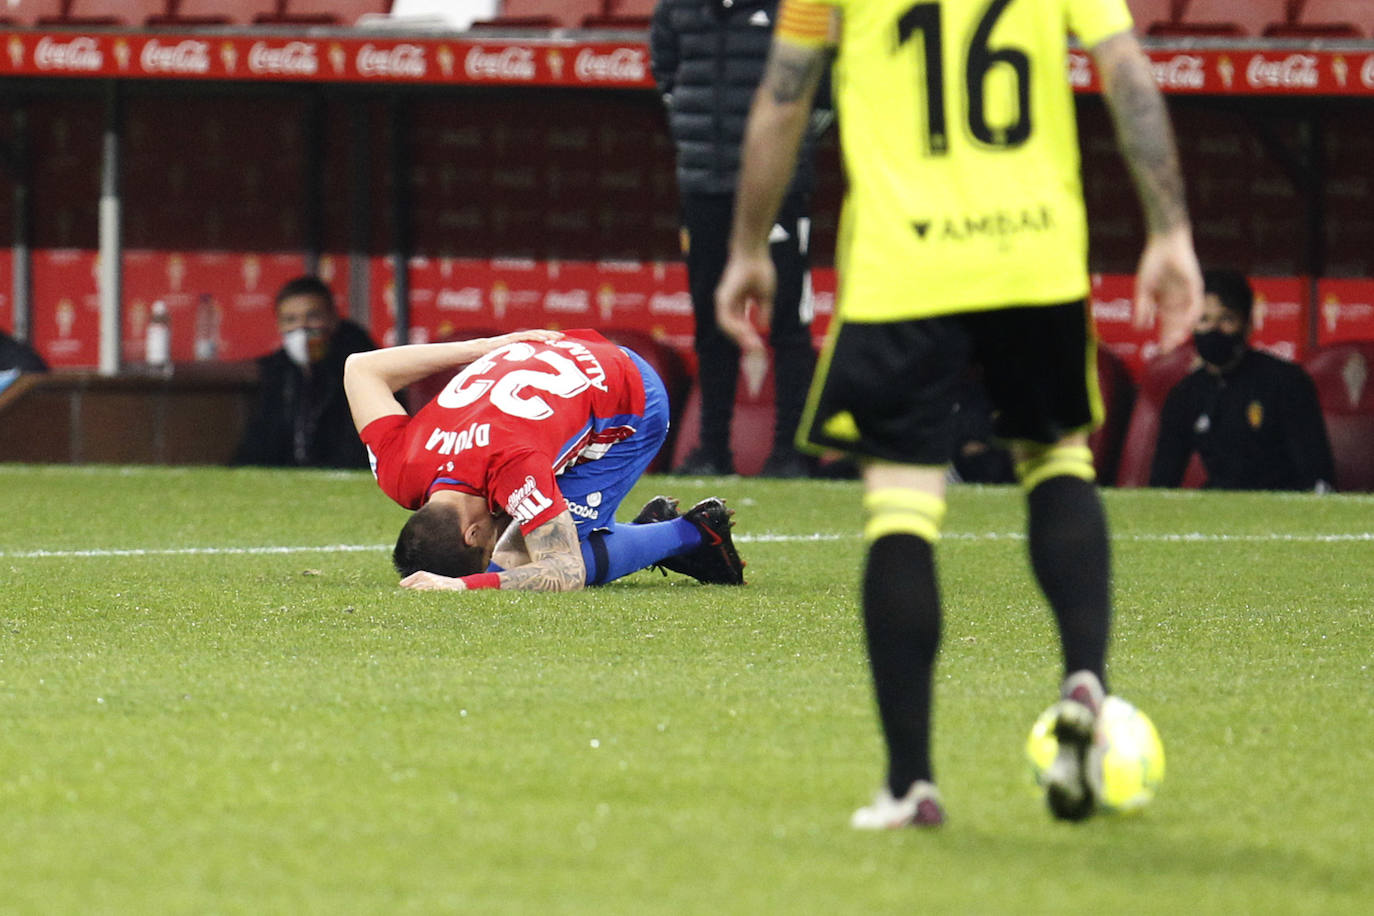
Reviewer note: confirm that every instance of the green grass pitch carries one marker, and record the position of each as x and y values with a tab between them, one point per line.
213	699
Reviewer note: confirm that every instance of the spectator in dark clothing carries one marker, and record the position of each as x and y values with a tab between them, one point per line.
16	358
1253	418
707	59
302	417
15	354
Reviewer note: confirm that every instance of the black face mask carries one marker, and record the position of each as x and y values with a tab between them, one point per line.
1217	347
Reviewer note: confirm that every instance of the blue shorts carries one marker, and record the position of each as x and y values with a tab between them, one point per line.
595	489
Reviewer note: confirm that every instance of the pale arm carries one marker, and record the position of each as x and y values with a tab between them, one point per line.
777	120
371	378
1168	280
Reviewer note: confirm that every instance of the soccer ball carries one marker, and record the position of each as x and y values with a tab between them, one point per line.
1127	759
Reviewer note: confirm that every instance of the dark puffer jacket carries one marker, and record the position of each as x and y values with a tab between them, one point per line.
708	57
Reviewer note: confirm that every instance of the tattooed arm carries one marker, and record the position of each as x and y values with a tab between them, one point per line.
555	559
554	562
1168	281
777	120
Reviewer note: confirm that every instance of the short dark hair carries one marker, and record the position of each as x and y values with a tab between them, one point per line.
432	540
308	285
1233	289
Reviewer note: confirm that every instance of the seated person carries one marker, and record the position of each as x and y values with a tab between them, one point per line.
516	468
302	418
1253	418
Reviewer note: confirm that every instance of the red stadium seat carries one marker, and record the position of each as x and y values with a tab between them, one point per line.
213	12
30	12
621	14
321	12
1227	18
1147	13
541	14
1118	399
1327	19
1138	450
751	429
1344	376
105	12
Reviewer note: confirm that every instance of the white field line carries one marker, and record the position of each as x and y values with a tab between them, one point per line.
1195	537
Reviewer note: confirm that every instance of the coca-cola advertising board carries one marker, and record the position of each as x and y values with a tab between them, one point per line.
552	61
220	303
66	333
1278	323
1345	310
6	284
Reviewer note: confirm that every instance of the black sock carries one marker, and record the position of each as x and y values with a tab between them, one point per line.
1071	557
901	607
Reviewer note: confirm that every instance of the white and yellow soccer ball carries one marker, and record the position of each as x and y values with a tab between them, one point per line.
1127	759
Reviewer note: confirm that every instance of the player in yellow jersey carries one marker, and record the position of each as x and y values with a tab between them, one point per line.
963	242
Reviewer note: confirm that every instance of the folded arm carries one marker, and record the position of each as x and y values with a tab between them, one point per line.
552	559
372	378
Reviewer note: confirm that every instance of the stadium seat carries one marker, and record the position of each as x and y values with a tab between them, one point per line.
212	12
1224	18
1326	19
621	14
1138	450
751	430
29	12
104	12
541	14
1147	13
1118	399
1344	376
321	12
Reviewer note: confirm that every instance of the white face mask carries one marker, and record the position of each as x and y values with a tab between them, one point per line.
296	343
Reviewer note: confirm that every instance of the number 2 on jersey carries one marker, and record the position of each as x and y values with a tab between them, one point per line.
926	19
510	393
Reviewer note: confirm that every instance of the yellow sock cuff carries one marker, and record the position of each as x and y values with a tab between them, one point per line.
1056	461
896	510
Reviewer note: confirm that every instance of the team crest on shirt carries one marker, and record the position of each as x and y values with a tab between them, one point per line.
1255	414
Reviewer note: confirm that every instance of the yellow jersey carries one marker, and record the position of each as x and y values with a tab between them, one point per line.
961	153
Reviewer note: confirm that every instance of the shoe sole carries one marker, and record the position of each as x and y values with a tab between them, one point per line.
1068	784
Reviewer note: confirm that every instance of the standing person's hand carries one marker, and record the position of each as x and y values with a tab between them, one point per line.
744	298
1168	287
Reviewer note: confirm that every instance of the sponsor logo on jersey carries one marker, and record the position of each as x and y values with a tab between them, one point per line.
451	442
997	224
583	511
527	502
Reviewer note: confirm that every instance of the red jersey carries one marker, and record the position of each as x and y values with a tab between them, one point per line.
511	422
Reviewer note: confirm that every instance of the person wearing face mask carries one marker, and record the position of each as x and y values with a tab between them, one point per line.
1253	418
302	417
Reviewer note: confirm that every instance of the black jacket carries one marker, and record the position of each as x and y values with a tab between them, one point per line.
15	354
708	57
303	421
1257	427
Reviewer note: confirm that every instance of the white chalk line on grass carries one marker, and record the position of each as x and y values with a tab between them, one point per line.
1195	537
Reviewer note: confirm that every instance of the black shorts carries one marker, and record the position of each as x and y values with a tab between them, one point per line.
891	390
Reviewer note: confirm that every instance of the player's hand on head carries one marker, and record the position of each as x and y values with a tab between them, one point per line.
536	334
430	582
744	298
1169	287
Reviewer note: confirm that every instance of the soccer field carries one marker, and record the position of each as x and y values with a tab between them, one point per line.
213	698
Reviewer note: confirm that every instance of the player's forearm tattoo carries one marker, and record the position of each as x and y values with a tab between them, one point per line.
1145	137
556	560
793	71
